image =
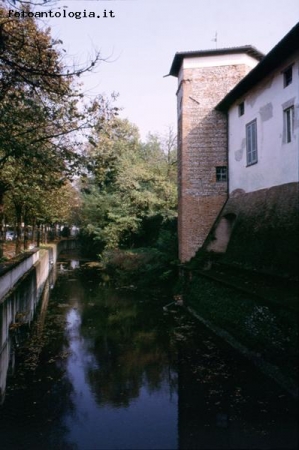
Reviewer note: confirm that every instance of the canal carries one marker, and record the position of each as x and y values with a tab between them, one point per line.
92	367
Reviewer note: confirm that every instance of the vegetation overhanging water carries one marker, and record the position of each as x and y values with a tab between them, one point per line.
105	368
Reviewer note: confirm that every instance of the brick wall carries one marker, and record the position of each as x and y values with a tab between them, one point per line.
202	146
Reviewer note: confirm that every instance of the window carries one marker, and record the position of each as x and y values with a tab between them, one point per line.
221	173
288	119
241	109
287	76
251	143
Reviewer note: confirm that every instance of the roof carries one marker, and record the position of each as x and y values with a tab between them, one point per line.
288	45
179	56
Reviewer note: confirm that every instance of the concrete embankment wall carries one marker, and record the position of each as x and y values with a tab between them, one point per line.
42	259
22	285
16	271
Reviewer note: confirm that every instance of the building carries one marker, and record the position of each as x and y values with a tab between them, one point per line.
240	110
204	78
263	121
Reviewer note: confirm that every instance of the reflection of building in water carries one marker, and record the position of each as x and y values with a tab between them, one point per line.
69	265
74	264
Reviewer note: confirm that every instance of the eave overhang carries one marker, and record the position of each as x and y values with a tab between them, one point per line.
180	56
280	53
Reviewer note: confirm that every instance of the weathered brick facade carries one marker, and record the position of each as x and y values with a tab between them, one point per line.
202	146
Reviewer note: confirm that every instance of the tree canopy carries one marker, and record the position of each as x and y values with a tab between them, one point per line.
129	184
50	133
44	117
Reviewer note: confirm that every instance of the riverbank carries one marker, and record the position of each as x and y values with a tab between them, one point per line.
42	259
104	367
256	313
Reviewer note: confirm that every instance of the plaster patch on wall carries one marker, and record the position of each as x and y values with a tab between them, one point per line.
266	112
239	154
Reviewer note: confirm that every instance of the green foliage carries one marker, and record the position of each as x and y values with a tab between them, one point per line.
128	187
129	205
43	122
153	266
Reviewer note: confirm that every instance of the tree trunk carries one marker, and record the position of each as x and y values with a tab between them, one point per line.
18	209
33	238
26	231
38	235
26	237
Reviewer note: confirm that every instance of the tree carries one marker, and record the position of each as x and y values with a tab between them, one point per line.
38	199
128	186
163	148
43	120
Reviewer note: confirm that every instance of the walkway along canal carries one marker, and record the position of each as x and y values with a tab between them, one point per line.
92	367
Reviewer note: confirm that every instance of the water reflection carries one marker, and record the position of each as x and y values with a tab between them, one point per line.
121	369
115	408
107	369
68	265
17	311
37	394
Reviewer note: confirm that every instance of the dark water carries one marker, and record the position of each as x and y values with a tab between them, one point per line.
99	368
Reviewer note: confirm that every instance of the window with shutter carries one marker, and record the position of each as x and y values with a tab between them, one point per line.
251	143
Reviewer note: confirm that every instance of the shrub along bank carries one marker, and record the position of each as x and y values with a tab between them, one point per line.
153	266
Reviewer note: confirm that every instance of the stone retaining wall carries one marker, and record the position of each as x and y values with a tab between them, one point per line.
260	231
16	271
42	259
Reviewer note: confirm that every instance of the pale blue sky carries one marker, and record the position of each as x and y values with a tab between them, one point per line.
141	41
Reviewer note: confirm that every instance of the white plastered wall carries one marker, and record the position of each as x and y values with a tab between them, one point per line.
194	62
277	160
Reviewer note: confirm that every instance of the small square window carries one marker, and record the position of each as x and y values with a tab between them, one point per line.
288	119
241	109
221	173
287	76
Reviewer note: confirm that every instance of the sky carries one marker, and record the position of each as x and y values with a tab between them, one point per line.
138	44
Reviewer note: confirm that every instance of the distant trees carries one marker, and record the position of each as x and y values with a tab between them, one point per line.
130	186
50	134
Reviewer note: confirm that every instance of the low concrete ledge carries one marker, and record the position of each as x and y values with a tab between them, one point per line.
42	258
13	270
